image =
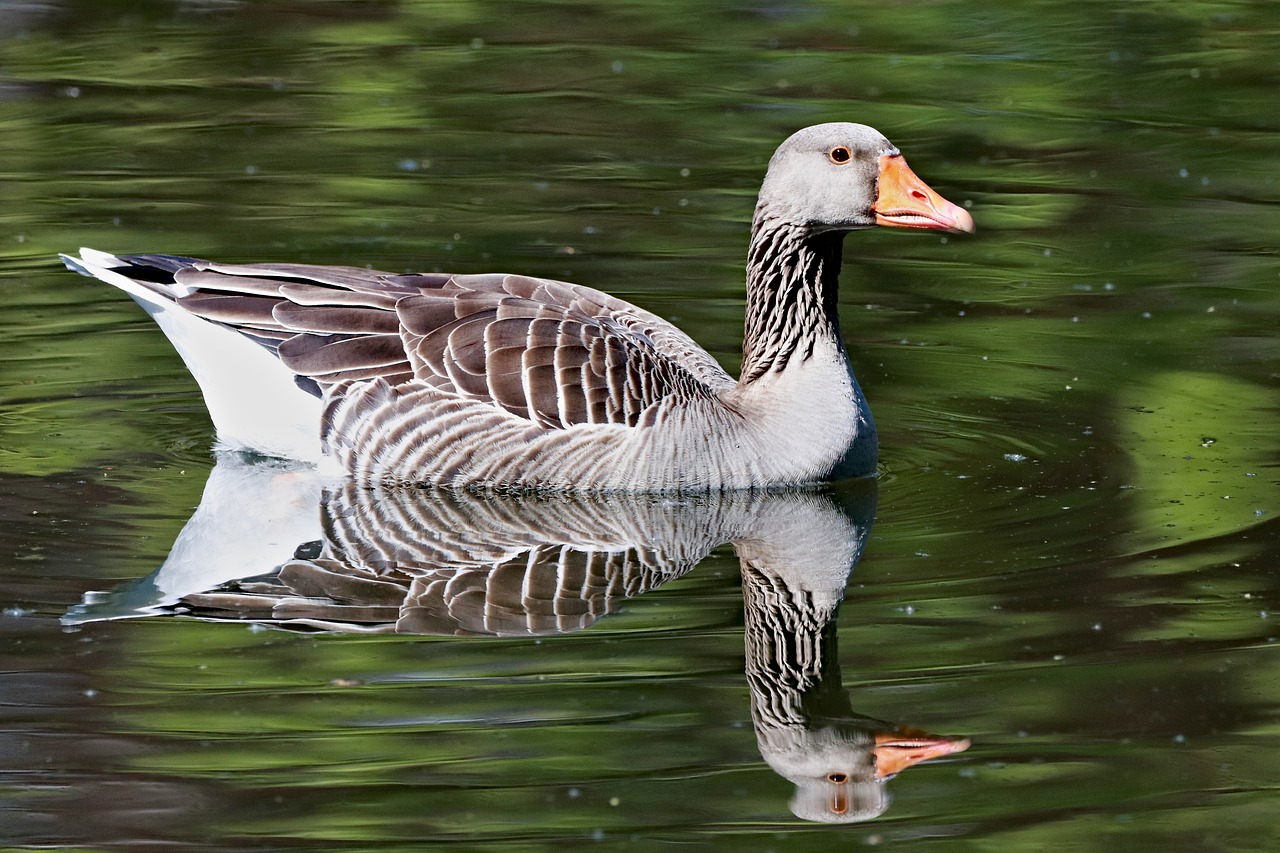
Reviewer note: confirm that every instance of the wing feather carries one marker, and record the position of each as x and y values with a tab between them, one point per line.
335	319
315	355
311	294
558	354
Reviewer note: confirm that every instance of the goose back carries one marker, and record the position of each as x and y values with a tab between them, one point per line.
554	353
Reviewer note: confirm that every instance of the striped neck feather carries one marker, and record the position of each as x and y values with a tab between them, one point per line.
792	280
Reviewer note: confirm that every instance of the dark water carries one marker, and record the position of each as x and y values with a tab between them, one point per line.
1074	550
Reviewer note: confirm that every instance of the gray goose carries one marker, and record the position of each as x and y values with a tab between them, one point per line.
511	382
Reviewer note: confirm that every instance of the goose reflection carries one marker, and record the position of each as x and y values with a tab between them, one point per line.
805	727
457	563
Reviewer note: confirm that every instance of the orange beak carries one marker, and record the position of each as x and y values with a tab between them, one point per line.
896	751
905	201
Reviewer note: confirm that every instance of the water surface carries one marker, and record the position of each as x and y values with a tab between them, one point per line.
1072	562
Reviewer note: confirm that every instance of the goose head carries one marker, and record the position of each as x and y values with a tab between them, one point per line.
847	177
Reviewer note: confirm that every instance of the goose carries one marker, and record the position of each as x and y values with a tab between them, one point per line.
501	381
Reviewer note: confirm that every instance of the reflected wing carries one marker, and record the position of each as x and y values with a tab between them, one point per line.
545	590
449	564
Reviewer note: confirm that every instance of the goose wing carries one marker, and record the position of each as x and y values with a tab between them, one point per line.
555	353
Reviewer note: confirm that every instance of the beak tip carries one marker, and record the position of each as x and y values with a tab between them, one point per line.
963	222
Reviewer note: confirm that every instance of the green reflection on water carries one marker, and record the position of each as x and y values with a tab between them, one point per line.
1038	389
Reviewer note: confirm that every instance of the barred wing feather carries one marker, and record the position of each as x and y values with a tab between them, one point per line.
554	353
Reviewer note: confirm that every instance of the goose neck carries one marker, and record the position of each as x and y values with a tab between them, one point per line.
792	278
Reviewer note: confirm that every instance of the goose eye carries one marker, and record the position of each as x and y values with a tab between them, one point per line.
840	154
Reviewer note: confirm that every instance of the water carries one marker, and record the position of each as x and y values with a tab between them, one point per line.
1072	562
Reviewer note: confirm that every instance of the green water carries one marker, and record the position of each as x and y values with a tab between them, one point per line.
1074	555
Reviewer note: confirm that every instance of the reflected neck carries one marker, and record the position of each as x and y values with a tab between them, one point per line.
792	279
792	654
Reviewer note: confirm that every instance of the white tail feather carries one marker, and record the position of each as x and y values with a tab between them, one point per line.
252	398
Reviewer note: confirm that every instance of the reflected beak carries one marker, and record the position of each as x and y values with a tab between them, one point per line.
897	750
905	201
